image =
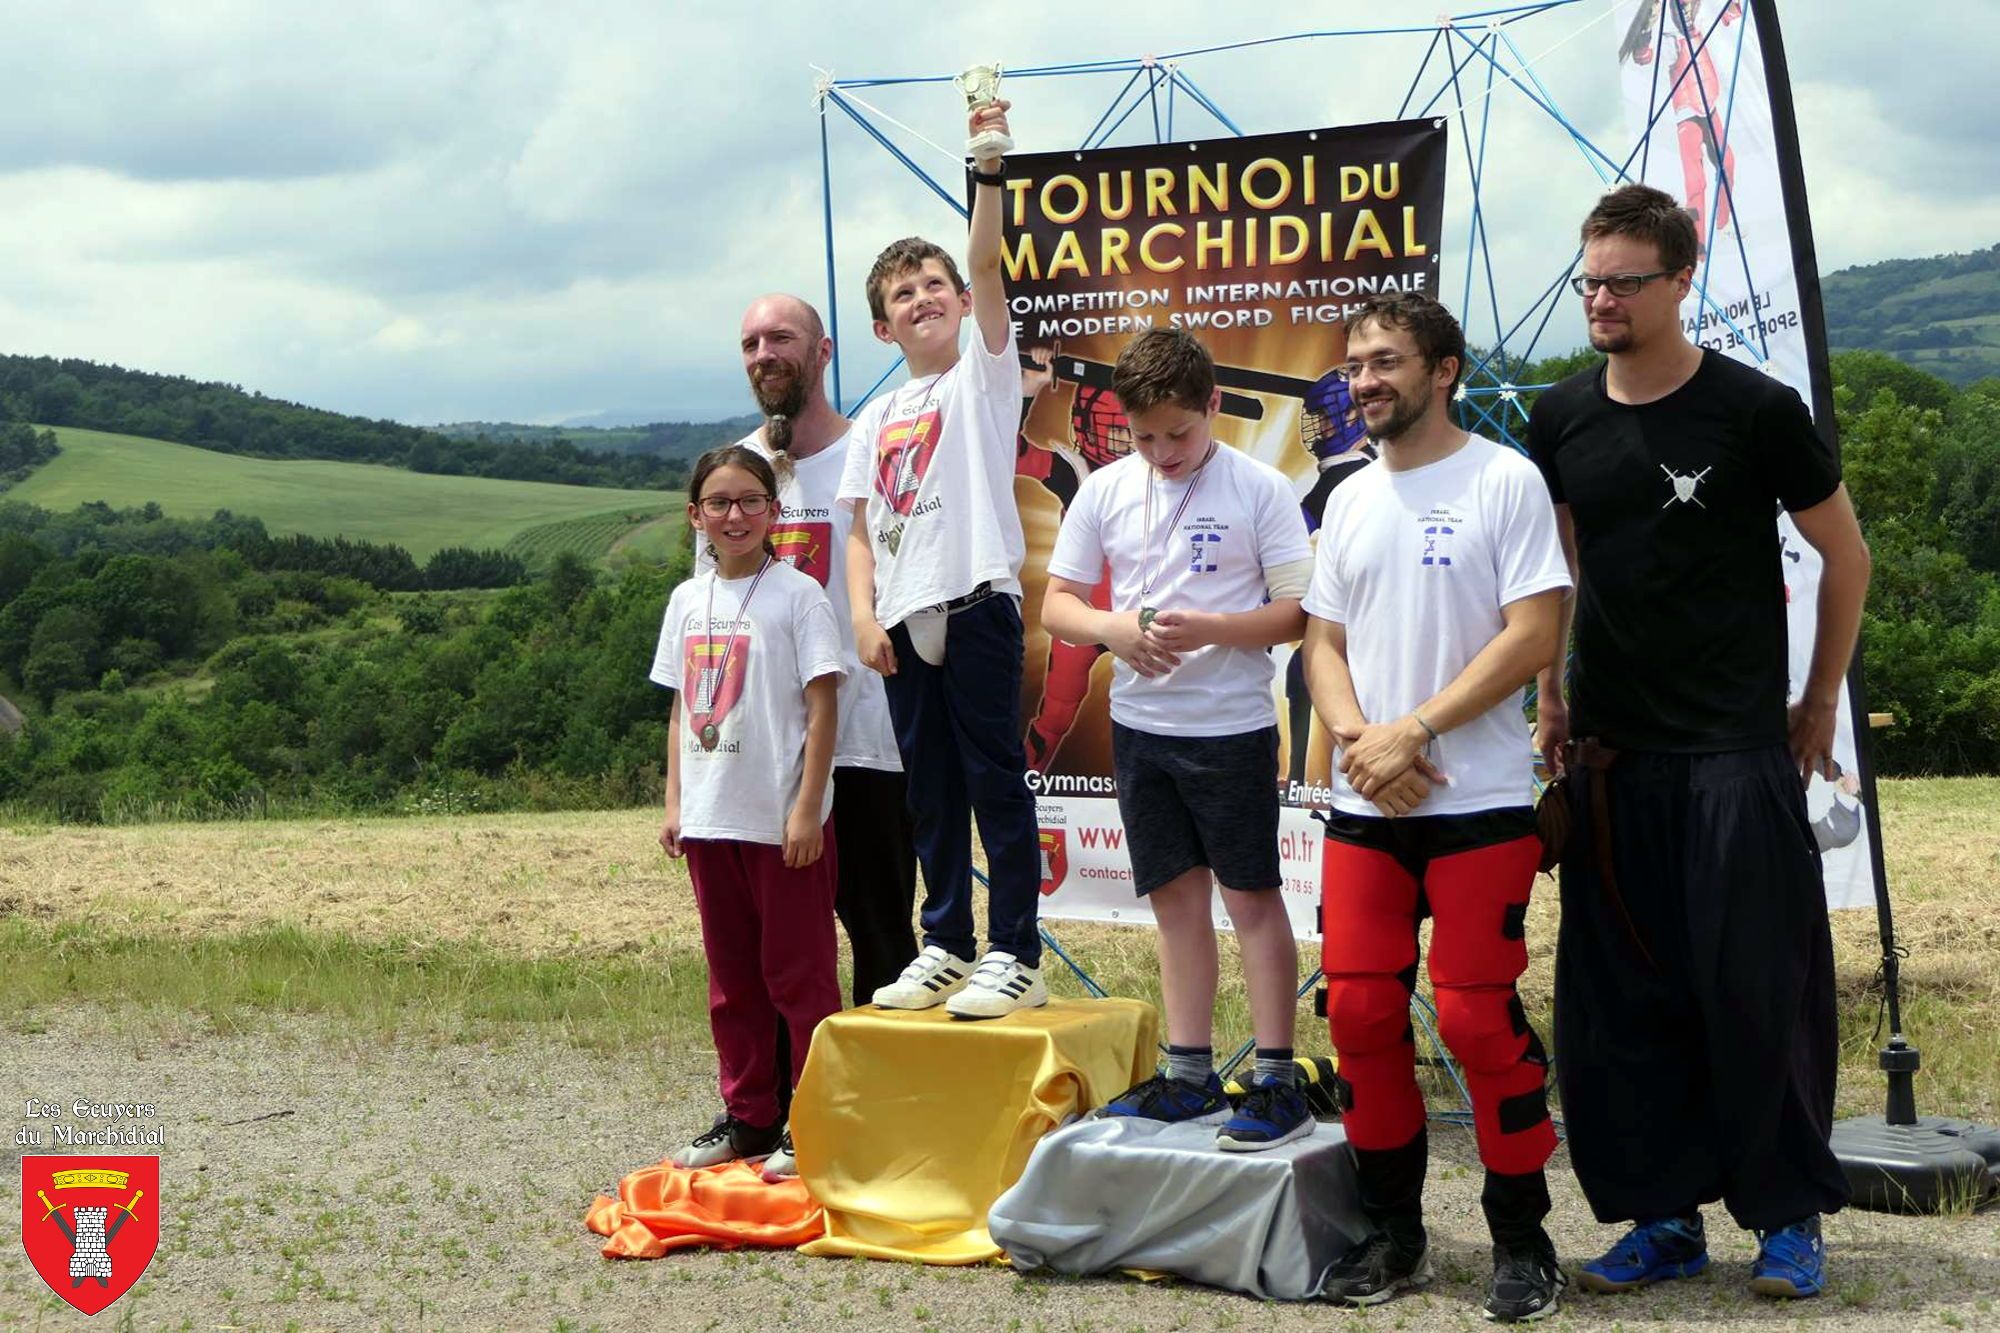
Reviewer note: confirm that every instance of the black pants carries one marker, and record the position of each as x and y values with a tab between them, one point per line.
878	875
1707	1073
877	887
959	729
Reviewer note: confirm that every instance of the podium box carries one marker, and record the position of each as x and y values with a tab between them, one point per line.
1142	1196
908	1125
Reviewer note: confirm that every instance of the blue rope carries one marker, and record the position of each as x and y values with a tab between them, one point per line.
1726	189
826	216
1209	106
1422	68
876	388
1153	97
1547	102
957	205
1170	110
1097	992
1108	110
1137	102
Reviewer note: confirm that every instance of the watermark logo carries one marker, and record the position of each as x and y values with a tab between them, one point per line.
90	1224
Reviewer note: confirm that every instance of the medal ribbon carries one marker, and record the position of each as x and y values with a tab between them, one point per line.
700	721
1173	523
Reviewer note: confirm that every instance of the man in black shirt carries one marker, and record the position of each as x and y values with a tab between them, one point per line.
1695	1021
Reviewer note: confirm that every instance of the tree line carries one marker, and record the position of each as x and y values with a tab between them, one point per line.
226	419
180	668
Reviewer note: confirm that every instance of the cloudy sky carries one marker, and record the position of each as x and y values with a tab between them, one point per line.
536	211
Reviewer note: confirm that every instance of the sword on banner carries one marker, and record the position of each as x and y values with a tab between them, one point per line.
1097	375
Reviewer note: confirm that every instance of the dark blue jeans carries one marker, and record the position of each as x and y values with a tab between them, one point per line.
959	728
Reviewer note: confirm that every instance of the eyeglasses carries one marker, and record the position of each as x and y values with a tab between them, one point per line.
1384	364
717	506
1621	284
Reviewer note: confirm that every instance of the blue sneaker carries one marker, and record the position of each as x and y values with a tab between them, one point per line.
1274	1111
1791	1264
1649	1252
1163	1097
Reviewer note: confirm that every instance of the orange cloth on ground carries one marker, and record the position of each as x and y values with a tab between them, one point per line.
909	1125
666	1207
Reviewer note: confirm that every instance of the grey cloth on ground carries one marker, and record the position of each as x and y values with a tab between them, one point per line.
1121	1192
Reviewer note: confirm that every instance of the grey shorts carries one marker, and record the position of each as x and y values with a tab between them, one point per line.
1191	801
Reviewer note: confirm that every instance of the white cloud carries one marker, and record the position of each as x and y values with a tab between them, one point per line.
532	210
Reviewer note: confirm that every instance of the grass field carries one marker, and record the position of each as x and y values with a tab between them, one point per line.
629	534
395	1058
420	512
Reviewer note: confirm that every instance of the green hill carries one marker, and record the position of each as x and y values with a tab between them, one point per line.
1941	314
420	512
680	441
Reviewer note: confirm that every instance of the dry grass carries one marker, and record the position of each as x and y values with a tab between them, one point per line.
572	887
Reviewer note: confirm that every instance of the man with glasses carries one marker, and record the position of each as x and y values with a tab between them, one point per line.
1694	969
1436	596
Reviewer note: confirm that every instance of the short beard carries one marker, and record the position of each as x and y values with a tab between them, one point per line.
786	398
1401	418
1611	343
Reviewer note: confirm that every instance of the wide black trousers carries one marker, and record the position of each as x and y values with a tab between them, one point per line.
1707	1072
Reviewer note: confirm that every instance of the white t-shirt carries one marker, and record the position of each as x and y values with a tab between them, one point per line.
934	461
1417	565
1242	520
811	536
749	682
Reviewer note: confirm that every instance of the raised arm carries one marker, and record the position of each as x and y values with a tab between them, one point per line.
989	287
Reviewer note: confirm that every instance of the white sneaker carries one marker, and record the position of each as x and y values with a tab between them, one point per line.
933	977
999	986
782	1164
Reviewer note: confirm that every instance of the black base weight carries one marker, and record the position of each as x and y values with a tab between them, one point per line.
1933	1165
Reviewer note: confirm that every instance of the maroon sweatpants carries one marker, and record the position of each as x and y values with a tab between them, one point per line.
768	934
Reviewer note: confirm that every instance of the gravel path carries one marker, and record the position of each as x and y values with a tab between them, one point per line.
310	1181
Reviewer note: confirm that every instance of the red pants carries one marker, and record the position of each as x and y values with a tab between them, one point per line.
768	934
1372	898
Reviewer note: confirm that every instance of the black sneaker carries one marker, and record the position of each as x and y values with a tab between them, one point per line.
1526	1282
727	1140
1376	1269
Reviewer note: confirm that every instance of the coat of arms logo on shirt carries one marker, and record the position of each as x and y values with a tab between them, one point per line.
90	1224
1683	487
806	547
903	453
713	671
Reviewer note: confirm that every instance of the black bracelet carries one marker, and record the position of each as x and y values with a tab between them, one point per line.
979	177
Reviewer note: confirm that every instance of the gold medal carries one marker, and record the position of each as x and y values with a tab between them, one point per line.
1147	614
893	539
711	736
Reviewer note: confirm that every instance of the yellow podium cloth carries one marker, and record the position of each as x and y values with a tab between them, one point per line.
909	1125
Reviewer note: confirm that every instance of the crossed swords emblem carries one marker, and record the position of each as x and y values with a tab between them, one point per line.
55	1211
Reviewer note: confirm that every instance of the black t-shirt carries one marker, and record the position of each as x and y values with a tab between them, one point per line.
1680	613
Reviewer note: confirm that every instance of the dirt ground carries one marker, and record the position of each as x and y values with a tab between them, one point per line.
321	1175
312	1180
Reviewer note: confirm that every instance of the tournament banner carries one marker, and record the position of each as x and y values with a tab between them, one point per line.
1706	96
1261	246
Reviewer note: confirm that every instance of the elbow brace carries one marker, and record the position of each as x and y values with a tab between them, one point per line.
1288	580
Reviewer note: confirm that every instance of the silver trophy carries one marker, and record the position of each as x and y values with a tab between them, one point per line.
981	84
